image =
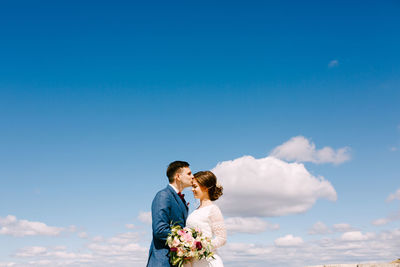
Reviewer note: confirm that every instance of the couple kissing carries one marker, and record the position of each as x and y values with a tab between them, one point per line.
169	208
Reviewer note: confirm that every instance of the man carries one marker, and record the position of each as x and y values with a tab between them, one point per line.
168	207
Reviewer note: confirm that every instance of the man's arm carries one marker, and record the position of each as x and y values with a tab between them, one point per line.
160	213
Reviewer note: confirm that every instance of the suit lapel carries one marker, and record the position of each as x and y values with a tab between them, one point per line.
179	201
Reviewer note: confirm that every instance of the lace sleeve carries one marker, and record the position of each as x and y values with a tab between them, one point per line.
218	227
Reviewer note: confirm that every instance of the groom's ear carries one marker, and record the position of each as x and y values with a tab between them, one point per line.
177	175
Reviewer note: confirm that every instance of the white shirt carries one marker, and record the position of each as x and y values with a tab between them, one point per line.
176	190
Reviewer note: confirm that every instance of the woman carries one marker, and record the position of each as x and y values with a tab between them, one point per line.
208	217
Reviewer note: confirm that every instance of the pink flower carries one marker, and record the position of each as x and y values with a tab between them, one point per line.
173	249
181	232
180	252
175	243
188	237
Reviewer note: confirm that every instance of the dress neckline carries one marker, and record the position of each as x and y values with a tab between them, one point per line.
212	204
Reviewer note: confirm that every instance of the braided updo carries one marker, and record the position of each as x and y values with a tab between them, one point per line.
208	180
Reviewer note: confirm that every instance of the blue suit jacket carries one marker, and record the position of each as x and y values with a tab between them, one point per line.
167	208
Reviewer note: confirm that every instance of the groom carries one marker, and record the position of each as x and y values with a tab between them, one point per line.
168	207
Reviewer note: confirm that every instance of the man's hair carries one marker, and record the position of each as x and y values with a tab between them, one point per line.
174	167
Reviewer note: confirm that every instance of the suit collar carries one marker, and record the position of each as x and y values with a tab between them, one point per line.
173	187
178	200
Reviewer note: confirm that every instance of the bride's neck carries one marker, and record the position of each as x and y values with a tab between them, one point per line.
205	202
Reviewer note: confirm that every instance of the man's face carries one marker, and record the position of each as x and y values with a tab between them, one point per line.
185	176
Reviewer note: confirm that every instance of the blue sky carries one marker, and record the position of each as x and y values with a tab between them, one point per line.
97	98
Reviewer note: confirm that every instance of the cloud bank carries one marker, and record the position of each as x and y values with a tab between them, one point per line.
252	225
119	250
289	241
319	228
292	251
10	225
394	196
289	250
145	217
391	217
269	187
300	149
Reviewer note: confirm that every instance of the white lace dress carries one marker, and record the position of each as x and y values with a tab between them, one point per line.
210	221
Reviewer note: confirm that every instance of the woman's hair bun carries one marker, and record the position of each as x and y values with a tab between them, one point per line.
217	192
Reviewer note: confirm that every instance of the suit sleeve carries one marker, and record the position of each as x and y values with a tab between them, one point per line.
160	214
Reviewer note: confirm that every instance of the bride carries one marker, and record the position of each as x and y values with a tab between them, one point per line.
207	217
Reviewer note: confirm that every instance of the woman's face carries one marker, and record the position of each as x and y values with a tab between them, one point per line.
199	191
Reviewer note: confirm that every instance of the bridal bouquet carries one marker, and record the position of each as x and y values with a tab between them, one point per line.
186	244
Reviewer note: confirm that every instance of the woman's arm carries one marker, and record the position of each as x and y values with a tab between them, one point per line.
218	227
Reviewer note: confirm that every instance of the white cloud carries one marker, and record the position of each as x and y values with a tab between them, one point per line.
145	217
394	196
51	257
333	63
31	252
130	226
10	225
60	248
66	255
252	225
268	187
381	221
124	238
98	239
72	228
355	236
381	247
115	250
83	235
289	241
288	251
300	149
120	250
342	227
392	217
393	148
319	228
41	263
